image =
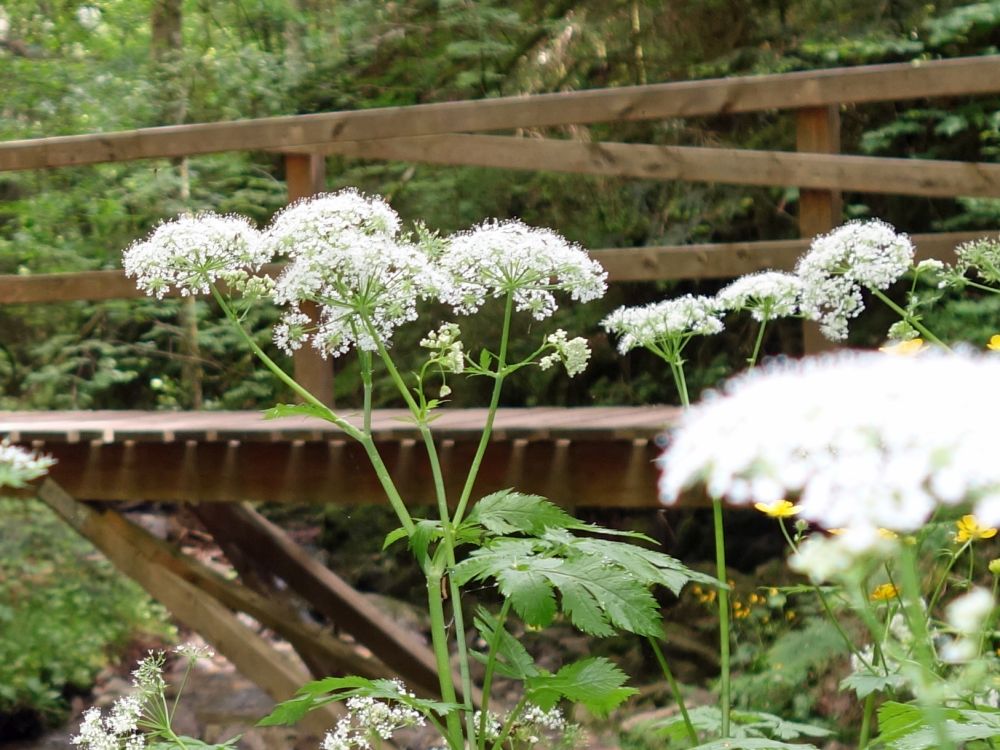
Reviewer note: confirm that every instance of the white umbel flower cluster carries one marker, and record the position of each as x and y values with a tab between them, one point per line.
117	731
499	258
658	324
192	252
345	254
853	436
19	466
768	295
370	721
840	264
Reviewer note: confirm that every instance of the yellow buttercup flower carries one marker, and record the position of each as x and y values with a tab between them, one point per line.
969	530
888	534
994	344
778	509
904	348
884	592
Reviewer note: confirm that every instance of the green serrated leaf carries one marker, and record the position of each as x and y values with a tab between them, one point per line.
866	683
596	683
425	531
513	660
752	743
529	592
484	359
278	411
649	566
509	512
392	537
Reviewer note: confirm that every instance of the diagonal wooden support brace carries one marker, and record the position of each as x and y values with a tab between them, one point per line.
329	594
249	653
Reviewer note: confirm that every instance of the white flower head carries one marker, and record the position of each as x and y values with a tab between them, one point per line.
346	256
19	466
983	255
573	353
119	730
767	295
851	437
499	258
859	255
192	252
661	323
369	719
968	613
827	558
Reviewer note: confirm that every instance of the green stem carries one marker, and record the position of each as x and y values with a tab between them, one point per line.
395	500
910	319
866	722
720	566
939	589
983	287
988	625
365	360
674	688
923	650
757	344
848	641
491	661
439	641
448	529
484	440
509	724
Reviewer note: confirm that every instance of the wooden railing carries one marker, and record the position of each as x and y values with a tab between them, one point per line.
448	133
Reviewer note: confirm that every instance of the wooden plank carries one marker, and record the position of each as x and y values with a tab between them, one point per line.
330	594
817	130
657	263
248	652
305	176
305	637
865	174
896	81
613	469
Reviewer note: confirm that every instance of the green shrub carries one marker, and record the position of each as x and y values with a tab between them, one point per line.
64	612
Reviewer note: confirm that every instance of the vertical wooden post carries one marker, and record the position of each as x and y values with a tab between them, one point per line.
817	130
305	175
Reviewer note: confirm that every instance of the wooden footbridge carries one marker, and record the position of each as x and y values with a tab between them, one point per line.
221	462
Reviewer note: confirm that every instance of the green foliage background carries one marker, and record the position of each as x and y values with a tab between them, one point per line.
71	73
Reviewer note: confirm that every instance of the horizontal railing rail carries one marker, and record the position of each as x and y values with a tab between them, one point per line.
806	89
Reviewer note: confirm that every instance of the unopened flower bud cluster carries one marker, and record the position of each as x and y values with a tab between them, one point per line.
573	353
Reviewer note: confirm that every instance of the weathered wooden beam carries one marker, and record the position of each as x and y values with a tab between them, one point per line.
401	650
896	81
865	174
656	263
336	655
248	652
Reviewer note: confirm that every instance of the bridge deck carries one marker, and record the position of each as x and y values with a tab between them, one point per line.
576	456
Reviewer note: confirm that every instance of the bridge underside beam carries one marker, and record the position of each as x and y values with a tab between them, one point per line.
600	473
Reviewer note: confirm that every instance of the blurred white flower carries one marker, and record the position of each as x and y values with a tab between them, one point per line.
859	255
863	441
664	326
499	258
19	466
193	252
968	613
766	295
